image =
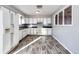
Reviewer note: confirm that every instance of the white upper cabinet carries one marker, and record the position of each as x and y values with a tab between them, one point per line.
44	21
30	20
48	20
39	19
26	20
34	20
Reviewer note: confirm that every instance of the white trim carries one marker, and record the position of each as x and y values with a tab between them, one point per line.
27	45
63	17
58	19
63	45
62	9
71	18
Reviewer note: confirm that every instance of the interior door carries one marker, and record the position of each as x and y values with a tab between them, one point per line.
6	26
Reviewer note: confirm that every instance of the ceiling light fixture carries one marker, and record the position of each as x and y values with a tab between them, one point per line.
38	7
37	11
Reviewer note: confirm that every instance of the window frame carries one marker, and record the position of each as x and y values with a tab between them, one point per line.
71	15
62	10
62	17
57	19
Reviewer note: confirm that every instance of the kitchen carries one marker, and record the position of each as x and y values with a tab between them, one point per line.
49	25
19	26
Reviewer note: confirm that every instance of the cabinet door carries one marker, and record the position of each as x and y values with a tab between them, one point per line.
6	18
35	20
41	19
44	31
49	31
32	31
23	33
20	35
30	20
29	31
38	31
26	20
38	20
48	20
44	21
35	31
26	31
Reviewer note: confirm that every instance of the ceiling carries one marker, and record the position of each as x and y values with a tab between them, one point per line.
31	9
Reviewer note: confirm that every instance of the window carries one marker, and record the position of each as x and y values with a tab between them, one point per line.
56	19
68	15
64	17
60	18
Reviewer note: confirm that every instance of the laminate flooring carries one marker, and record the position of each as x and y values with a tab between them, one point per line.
45	45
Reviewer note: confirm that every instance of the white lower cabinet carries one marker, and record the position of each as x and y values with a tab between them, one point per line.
29	31
38	31
22	33
44	31
34	31
26	31
49	31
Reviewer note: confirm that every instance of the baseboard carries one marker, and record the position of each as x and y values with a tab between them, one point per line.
62	44
23	38
12	48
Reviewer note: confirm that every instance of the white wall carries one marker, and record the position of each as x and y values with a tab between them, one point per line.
1	32
69	35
